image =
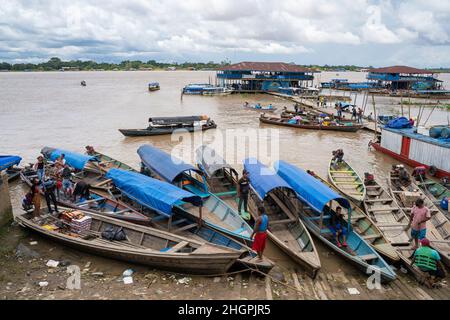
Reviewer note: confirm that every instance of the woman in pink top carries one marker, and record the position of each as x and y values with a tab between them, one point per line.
418	221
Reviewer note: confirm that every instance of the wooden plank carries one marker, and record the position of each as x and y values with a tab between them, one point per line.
269	295
178	247
297	285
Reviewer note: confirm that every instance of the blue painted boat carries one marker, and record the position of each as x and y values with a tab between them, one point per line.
167	206
313	200
8	164
218	214
286	230
75	160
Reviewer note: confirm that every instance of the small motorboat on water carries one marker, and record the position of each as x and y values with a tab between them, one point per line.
83	83
153	86
206	90
167	125
259	107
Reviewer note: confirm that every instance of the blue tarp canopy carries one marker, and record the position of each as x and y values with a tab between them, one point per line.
263	179
165	165
75	160
308	188
154	194
8	161
399	123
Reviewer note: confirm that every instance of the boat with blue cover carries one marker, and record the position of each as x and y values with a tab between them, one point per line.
315	203
97	203
286	230
170	208
89	168
9	165
217	213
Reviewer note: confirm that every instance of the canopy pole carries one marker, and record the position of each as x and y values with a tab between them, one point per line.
349	226
200	216
169	223
321	220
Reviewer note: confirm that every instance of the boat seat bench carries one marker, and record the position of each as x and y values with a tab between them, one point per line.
367	257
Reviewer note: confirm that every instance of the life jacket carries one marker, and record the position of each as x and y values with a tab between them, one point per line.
424	259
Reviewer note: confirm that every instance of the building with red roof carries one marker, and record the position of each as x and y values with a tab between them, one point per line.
405	78
264	76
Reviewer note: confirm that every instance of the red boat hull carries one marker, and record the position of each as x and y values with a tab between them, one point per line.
439	173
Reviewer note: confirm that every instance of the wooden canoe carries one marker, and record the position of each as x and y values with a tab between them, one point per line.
143	245
346	180
288	234
287	231
388	216
106	162
187	224
157	131
284	122
98	203
436	192
438	227
358	252
366	228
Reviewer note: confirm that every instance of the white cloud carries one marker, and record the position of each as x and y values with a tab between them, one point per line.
105	29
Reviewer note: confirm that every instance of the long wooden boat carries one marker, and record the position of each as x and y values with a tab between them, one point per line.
438	227
366	228
106	162
388	216
393	221
314	202
286	230
216	213
98	203
347	180
172	209
143	245
437	192
314	126
168	125
263	109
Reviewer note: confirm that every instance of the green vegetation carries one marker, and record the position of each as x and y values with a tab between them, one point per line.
55	64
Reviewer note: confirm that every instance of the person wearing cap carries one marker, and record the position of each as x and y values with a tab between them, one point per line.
39	167
259	234
243	188
420	214
428	260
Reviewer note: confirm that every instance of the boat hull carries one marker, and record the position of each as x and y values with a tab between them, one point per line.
161	131
312	127
183	263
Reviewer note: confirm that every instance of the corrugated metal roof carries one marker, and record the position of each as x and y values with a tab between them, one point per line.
265	66
400	69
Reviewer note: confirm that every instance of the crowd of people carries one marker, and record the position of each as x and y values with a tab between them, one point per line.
54	181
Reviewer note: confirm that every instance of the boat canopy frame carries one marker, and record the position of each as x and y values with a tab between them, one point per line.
311	191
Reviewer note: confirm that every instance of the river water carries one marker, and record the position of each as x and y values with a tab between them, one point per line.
52	109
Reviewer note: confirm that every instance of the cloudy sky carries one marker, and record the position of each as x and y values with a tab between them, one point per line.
361	32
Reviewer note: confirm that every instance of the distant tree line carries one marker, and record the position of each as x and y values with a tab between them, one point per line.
55	64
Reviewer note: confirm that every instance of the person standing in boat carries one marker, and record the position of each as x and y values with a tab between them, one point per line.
337	227
39	167
428	260
36	197
296	108
259	234
243	188
49	186
66	183
420	214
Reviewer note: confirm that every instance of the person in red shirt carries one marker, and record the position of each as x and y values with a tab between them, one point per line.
420	214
